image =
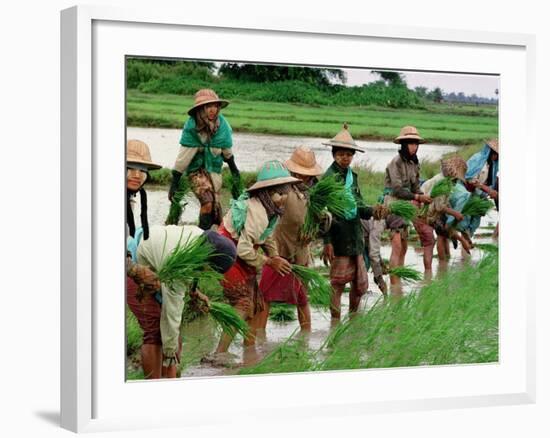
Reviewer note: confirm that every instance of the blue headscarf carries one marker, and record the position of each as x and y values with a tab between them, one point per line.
476	163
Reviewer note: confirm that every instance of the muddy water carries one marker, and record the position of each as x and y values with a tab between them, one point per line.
251	150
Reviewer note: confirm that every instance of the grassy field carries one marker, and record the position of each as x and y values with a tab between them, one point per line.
444	123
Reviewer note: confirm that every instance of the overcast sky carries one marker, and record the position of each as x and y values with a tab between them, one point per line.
482	85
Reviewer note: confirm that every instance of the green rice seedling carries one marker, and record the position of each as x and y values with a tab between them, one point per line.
452	320
329	193
318	287
477	206
228	319
443	187
176	207
236	186
406	273
404	209
289	357
187	262
282	312
487	247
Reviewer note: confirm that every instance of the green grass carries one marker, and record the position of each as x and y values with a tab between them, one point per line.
438	124
453	320
281	312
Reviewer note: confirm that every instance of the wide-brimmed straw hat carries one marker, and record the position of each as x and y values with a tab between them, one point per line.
273	173
137	153
302	161
493	144
408	133
344	140
454	167
205	96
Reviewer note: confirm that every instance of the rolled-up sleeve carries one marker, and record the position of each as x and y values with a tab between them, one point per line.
256	223
184	158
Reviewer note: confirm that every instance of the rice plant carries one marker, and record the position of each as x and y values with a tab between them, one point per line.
443	187
329	193
404	209
176	207
406	273
228	319
318	287
187	262
477	206
280	312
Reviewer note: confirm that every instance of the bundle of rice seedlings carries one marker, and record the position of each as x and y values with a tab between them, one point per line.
328	193
406	273
443	187
176	207
282	312
404	209
487	247
236	186
228	319
187	262
477	206
318	287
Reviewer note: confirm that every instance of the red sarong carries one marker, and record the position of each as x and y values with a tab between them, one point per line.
239	283
282	288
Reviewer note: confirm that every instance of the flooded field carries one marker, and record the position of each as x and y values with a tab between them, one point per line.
251	150
200	337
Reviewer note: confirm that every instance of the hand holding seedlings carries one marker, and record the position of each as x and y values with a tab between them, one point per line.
328	254
279	265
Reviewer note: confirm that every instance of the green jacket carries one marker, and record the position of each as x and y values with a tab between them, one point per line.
205	159
346	236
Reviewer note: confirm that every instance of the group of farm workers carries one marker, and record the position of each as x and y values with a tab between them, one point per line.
258	239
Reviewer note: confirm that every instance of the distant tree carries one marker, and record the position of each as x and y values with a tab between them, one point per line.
391	78
436	95
275	73
421	91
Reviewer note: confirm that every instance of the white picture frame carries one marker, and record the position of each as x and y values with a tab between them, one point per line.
94	41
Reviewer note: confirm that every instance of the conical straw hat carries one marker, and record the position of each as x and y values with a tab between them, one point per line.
493	144
454	167
344	140
409	133
205	96
302	161
137	152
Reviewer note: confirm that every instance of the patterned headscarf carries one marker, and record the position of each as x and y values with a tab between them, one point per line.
205	126
264	195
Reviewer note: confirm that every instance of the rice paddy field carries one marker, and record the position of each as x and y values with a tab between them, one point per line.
451	319
444	123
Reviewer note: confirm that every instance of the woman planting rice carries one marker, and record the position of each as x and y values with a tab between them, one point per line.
250	223
482	178
212	255
159	323
287	289
449	195
344	243
402	181
141	302
206	142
